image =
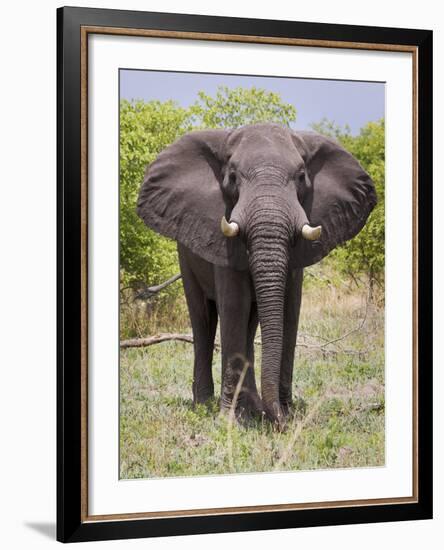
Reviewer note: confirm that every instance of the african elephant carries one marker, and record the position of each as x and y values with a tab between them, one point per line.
250	208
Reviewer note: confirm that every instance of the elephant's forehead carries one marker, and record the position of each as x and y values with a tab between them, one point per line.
264	144
270	138
264	131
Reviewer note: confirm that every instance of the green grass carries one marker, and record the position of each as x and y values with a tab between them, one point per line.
338	421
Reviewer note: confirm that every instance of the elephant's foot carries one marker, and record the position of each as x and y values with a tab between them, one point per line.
253	403
202	395
276	415
247	407
284	414
248	403
291	406
286	401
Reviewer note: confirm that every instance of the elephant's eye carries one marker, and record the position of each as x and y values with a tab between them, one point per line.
300	176
230	188
300	184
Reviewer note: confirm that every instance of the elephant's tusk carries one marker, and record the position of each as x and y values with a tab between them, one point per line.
229	229
311	233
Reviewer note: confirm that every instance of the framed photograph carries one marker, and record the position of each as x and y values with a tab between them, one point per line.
244	274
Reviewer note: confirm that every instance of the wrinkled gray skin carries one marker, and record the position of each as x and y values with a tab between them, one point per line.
271	181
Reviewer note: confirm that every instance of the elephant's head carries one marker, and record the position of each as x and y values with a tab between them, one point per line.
261	197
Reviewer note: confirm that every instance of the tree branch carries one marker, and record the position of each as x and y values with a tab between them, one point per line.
156	339
357	329
150	291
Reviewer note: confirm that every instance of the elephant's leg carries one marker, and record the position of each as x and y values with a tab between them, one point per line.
203	335
234	359
204	323
255	403
234	306
291	321
203	316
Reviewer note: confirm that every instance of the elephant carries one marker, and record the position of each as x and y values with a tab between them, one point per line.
250	208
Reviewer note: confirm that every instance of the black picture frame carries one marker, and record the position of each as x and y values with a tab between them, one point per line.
73	523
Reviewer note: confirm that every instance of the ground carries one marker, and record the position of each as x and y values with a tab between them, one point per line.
338	419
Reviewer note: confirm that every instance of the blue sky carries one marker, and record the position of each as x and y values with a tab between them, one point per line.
343	101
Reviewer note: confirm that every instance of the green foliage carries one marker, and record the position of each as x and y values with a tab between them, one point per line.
231	108
145	129
365	253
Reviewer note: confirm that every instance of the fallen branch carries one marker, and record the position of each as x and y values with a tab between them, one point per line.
188	338
156	339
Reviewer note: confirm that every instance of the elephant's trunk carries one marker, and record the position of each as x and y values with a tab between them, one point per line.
269	233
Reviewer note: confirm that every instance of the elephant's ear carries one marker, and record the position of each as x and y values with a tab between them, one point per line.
340	195
181	197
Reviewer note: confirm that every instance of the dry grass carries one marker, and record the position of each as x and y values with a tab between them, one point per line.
139	319
338	421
